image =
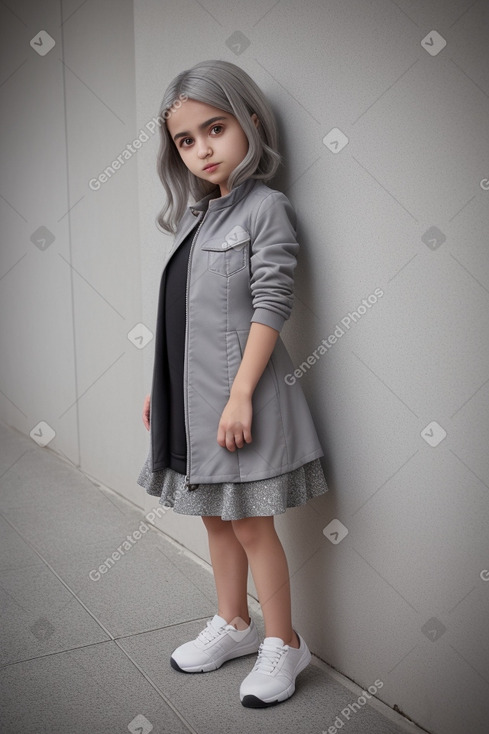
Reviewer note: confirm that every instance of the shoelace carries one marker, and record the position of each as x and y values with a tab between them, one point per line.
210	633
268	657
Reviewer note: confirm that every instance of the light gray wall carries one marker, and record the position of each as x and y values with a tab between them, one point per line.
402	597
68	306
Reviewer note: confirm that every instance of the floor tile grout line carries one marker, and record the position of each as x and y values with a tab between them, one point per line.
55	573
114	638
11	663
158	691
163	627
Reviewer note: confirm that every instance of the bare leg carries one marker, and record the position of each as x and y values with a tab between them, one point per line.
270	571
230	566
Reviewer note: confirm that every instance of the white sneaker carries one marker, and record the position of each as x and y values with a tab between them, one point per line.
272	679
218	642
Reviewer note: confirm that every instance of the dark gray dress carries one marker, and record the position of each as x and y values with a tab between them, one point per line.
229	500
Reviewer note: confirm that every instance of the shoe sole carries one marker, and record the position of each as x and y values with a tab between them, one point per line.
208	667
253	702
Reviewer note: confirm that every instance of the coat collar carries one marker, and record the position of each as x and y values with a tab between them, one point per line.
214	202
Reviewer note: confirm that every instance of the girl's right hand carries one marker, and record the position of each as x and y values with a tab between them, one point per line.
146	411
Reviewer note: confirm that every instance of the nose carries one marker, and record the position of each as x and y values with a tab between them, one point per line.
203	149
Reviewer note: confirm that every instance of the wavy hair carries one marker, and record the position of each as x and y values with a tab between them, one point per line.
223	85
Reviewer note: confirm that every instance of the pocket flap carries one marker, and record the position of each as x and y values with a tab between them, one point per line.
235	238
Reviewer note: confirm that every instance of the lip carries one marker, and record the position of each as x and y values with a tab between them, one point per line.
211	166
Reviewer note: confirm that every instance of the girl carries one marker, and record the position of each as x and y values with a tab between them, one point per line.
230	439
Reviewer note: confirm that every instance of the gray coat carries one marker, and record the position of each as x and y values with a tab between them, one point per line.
240	270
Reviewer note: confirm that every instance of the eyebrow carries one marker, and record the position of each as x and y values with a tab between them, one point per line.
186	134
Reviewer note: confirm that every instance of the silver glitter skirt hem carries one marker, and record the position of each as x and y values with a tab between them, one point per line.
235	500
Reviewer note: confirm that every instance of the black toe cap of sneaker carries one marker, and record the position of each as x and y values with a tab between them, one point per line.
252	702
176	666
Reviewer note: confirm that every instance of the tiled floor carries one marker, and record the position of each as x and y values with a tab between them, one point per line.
82	655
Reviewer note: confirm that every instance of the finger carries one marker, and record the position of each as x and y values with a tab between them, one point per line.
221	437
238	440
247	435
230	445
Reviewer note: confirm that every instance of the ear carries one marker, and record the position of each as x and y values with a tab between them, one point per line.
255	119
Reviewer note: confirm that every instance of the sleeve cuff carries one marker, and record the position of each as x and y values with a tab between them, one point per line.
269	318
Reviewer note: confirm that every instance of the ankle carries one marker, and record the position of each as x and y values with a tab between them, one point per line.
237	621
294	641
290	641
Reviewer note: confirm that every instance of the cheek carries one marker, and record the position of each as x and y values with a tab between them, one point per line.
185	156
242	145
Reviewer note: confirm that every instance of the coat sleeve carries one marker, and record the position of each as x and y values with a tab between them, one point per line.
273	260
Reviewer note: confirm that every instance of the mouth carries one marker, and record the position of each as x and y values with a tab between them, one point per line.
211	166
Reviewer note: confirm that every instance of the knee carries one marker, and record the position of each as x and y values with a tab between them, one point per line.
249	531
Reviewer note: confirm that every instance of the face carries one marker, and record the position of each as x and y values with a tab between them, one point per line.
206	135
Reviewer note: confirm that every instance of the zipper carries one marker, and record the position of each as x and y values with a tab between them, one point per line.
185	394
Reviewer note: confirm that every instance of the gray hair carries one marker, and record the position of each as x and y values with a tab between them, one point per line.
223	85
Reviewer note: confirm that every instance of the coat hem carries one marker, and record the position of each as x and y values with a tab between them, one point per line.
218	478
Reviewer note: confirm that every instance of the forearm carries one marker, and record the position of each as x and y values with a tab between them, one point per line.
259	347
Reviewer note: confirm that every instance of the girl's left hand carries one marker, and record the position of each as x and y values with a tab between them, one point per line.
235	424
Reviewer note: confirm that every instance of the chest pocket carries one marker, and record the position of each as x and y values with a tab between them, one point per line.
229	255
